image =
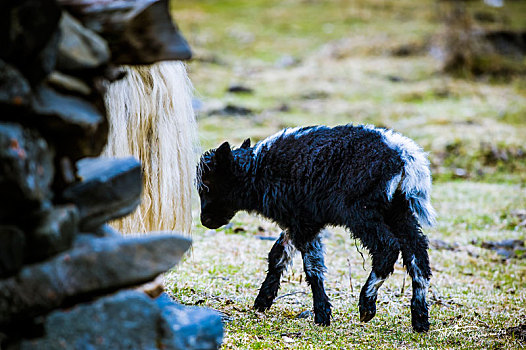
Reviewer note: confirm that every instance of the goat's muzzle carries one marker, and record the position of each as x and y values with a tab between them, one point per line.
210	223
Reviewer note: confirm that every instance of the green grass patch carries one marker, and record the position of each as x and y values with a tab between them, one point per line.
474	295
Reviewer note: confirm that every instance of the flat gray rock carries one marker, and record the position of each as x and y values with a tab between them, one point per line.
26	172
14	88
190	327
53	233
109	188
12	246
79	47
94	266
75	125
130	320
29	34
68	84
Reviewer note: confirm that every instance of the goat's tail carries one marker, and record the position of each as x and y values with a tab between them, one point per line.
415	179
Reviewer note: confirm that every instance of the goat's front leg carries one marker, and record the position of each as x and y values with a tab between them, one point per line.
313	264
279	258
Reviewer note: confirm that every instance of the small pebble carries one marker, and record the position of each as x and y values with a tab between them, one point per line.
305	314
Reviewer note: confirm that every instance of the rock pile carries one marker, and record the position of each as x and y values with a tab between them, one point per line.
65	276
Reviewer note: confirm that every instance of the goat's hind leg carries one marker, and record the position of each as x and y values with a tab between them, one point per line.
279	257
384	249
417	265
416	261
414	247
314	266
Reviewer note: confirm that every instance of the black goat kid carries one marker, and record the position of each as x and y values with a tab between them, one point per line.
373	181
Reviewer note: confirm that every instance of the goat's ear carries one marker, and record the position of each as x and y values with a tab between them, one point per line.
224	154
246	144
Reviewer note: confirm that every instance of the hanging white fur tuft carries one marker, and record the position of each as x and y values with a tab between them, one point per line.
151	117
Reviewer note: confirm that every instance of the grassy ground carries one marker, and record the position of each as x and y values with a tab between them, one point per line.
333	62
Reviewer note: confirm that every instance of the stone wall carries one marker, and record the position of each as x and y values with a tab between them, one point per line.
67	280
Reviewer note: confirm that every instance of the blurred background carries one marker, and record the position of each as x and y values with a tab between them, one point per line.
449	74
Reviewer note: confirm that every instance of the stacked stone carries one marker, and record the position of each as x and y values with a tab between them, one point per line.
66	278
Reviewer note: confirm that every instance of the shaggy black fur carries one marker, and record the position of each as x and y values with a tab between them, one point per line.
360	177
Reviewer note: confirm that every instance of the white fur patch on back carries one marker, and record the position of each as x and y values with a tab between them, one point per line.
296	132
416	182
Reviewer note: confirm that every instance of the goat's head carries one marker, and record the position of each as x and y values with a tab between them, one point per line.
217	186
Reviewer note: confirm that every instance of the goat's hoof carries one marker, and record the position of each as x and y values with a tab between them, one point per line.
322	318
261	308
366	316
262	305
367	313
421	327
325	323
419	316
420	322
